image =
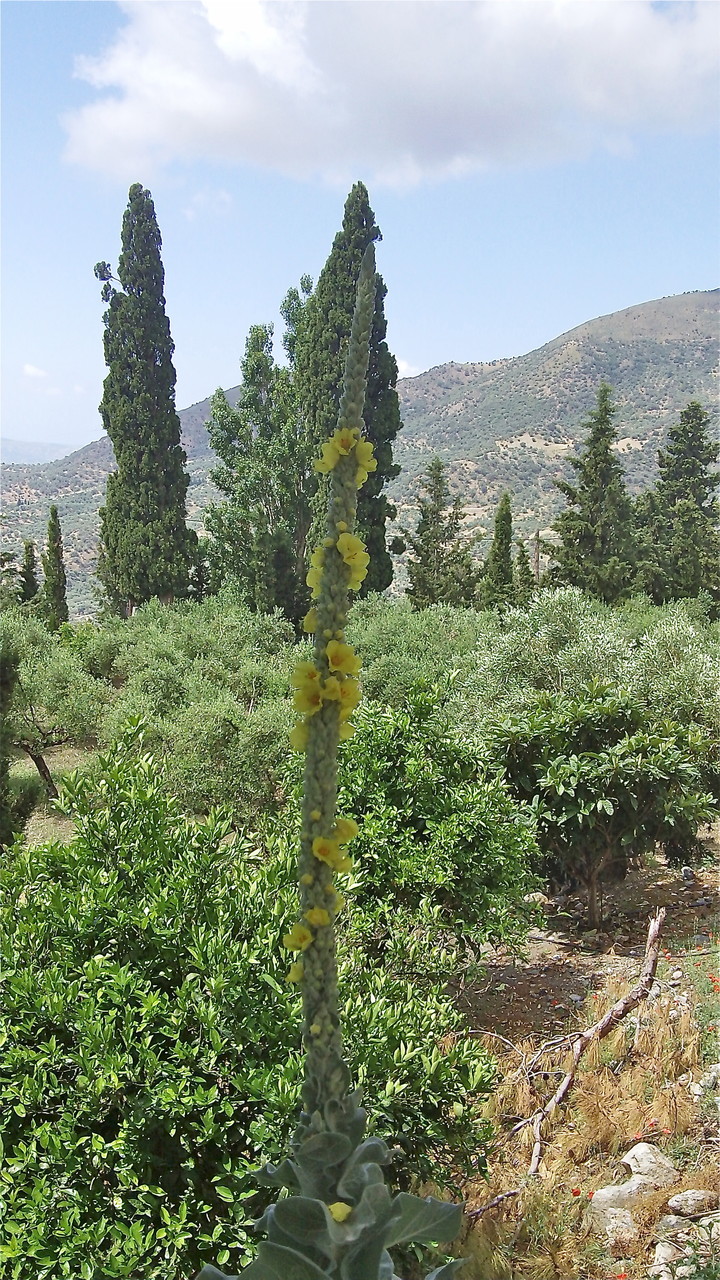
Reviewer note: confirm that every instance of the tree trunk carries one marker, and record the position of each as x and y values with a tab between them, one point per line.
45	774
594	912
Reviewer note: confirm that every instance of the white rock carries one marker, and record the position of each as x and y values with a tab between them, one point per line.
617	1223
676	973
696	1090
691	1204
664	1253
646	1160
669	1223
620	1194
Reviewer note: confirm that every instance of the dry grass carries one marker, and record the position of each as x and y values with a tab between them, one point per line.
633	1086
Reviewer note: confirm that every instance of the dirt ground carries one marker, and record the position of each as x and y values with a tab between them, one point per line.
539	994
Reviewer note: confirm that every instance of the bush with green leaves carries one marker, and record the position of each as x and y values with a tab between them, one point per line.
401	647
442	848
149	1060
667	657
606	779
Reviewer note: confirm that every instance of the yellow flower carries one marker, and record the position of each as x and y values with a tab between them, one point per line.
364	455
298	939
296	971
342	657
305	676
317	916
331	689
346	731
328	459
313	578
349	697
346	829
326	850
361	476
317	558
339	1210
310	621
350	547
299	737
344	439
308	701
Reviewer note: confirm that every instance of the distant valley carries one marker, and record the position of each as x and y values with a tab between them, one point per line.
509	424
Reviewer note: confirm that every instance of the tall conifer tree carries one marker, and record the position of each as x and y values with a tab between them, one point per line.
146	547
320	349
679	538
441	568
55	584
498	577
523	576
28	585
260	529
596	551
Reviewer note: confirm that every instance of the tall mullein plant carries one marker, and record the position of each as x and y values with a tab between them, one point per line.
338	1220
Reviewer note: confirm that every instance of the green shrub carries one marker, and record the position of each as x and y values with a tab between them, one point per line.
442	846
150	1061
401	647
606	780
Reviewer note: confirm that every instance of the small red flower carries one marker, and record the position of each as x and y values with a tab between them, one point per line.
590	1195
575	1191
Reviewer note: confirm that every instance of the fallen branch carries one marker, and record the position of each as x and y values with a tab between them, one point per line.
473	1214
581	1042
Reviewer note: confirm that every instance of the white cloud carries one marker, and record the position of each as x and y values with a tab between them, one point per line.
407	370
210	200
32	371
399	90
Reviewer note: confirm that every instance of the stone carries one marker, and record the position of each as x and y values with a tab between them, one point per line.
676	973
696	1090
691	1204
670	1223
664	1253
687	874
620	1194
617	1223
645	1160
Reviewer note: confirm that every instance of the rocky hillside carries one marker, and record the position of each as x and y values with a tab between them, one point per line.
509	424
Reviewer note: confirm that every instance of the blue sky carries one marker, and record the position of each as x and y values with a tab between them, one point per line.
532	165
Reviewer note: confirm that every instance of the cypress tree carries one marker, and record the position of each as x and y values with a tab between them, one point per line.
28	585
596	548
498	577
679	541
320	349
146	547
441	569
55	584
523	577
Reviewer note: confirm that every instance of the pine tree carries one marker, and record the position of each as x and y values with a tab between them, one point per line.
596	550
320	349
55	584
28	585
523	576
260	530
498	576
146	547
441	569
679	540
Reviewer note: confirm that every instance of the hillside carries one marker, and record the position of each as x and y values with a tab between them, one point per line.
509	424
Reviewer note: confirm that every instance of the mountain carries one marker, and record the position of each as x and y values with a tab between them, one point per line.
507	424
31	450
512	424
